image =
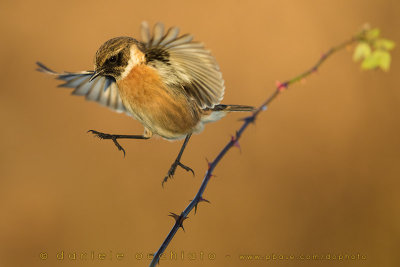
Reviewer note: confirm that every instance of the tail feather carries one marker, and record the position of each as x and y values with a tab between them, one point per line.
219	111
231	108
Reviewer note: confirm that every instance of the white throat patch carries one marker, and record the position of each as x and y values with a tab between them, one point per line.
136	58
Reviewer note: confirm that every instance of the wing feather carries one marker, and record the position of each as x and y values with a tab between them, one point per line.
158	34
84	87
102	89
145	32
74	82
189	66
184	39
171	34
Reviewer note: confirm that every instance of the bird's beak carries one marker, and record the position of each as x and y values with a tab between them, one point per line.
94	75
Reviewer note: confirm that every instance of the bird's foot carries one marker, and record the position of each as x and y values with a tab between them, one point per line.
172	170
113	137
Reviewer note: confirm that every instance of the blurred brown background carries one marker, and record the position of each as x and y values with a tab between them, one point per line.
318	173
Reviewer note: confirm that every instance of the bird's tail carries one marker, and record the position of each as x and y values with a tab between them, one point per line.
231	108
219	111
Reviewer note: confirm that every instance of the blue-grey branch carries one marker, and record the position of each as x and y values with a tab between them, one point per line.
234	142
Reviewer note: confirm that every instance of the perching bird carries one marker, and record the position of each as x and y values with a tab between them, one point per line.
169	83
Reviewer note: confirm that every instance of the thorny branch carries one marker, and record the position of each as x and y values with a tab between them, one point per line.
234	142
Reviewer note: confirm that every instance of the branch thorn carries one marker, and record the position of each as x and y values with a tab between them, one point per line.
249	119
201	199
208	164
281	86
178	219
236	142
204	200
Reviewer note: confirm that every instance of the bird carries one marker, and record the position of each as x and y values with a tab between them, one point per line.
169	83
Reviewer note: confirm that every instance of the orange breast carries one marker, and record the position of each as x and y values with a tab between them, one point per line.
164	111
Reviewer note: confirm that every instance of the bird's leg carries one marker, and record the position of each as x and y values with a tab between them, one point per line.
114	137
177	162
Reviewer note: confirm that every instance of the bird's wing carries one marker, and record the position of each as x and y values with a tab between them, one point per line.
184	64
102	89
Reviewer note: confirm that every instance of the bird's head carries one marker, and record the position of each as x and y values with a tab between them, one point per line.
117	57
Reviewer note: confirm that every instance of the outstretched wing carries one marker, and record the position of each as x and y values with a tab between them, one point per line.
184	64
102	89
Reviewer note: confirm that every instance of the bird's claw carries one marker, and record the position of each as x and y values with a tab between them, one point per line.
100	134
186	168
120	148
172	170
108	136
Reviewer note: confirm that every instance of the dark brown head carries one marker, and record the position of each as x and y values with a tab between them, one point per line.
116	56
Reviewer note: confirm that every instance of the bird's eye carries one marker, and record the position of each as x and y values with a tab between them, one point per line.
112	59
